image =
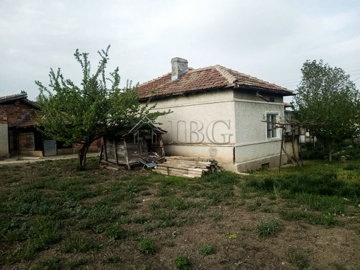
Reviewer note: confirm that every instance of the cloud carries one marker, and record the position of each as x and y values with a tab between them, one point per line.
270	40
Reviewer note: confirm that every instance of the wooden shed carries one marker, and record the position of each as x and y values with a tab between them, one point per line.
129	146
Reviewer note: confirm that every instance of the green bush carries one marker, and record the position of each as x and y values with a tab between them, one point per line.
207	250
146	246
115	232
182	263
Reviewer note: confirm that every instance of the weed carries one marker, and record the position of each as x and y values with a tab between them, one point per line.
207	250
75	264
42	233
98	216
78	244
268	228
115	232
170	244
182	263
297	258
112	259
140	220
218	216
49	264
146	246
292	215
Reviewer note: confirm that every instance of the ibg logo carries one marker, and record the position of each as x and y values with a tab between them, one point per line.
194	131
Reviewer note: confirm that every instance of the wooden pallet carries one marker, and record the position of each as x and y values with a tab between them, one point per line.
186	166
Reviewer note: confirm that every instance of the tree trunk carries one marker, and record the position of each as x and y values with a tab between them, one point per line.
82	155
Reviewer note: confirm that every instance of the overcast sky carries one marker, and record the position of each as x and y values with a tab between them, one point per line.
266	39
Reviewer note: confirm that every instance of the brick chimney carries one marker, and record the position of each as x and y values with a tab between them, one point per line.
179	67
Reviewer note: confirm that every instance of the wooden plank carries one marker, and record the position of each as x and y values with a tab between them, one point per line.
116	154
126	155
101	152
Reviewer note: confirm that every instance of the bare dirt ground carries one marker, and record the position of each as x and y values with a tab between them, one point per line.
202	215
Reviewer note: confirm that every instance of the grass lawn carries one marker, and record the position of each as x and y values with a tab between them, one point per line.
55	217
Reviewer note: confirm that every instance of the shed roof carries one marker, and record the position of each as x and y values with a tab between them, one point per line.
204	79
22	96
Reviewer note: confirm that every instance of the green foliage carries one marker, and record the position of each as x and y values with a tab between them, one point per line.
223	177
268	228
49	264
74	265
115	232
42	233
182	263
78	244
328	97
319	182
146	246
82	114
297	257
327	219
206	250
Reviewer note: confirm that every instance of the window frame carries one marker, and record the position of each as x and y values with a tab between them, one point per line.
272	132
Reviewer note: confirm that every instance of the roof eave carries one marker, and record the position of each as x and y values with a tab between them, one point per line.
266	90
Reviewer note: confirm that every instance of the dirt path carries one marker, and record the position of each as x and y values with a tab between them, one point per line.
22	160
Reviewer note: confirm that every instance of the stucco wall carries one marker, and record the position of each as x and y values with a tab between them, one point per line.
252	144
201	125
4	140
225	125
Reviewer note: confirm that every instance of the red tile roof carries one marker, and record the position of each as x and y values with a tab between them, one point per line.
209	78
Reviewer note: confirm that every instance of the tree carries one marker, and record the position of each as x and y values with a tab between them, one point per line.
82	114
329	100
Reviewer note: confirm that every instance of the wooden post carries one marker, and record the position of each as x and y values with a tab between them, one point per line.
293	145
101	152
281	148
105	149
116	154
126	155
300	159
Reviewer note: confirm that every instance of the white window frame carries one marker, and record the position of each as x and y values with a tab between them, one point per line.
276	114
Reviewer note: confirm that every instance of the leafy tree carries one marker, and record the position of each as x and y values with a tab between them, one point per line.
82	114
329	100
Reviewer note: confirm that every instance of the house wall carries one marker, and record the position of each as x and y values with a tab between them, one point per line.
225	125
12	112
253	149
201	125
4	140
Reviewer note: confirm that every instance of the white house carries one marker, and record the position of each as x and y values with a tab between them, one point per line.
219	113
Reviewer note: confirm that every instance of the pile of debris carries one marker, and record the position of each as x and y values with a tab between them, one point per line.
187	166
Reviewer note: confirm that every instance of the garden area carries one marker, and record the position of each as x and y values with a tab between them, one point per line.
53	216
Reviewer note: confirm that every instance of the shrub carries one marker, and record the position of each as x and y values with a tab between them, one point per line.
182	263
115	232
146	246
207	250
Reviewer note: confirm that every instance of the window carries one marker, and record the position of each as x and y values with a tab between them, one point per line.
271	125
